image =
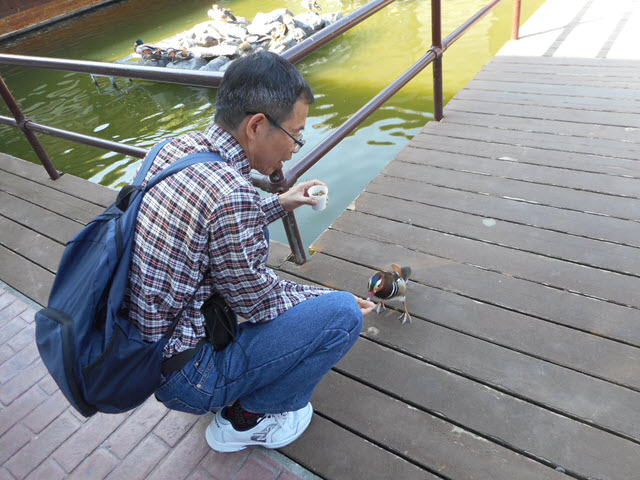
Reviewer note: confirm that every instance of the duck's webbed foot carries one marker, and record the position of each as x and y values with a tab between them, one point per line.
405	317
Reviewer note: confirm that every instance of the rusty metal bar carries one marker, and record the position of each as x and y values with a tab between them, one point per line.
87	140
78	137
515	26
157	74
294	238
324	36
31	138
436	46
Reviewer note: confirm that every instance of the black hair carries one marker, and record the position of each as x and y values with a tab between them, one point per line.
262	82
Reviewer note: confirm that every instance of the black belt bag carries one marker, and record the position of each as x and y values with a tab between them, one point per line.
221	327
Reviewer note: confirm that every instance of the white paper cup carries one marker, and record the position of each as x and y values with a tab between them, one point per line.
319	192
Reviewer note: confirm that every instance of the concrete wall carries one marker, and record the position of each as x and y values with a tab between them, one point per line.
17	16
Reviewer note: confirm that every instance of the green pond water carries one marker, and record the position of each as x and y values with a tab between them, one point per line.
345	74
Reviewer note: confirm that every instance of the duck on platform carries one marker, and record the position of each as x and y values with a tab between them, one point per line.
142	48
311	5
148	52
175	55
390	286
221	14
279	33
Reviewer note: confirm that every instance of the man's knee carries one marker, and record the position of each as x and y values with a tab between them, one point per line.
346	312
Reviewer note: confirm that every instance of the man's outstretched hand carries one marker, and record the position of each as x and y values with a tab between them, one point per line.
298	195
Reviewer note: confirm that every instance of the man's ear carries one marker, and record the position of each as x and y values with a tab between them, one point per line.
255	126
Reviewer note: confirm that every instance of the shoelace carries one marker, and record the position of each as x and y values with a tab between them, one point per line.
280	418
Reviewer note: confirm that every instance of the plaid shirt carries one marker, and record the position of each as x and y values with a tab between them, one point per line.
208	216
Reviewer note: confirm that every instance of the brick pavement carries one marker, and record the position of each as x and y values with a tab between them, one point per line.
42	437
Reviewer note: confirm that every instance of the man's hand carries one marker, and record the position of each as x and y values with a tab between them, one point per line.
366	306
298	195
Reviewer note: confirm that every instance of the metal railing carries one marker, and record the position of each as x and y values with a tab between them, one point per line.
278	181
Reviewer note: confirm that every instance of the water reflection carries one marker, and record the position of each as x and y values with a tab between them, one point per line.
345	75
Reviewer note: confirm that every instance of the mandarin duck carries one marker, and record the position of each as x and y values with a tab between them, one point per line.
175	55
311	5
221	14
388	286
142	48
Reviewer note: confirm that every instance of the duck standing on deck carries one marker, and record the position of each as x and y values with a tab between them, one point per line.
388	286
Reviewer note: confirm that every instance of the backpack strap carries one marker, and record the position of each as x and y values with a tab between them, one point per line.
184	162
148	161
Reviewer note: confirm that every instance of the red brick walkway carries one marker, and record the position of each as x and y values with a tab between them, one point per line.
42	437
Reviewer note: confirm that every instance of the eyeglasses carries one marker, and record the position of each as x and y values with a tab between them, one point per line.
299	140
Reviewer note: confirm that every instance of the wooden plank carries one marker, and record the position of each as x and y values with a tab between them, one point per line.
612	73
556	306
278	254
26	277
524	154
576	447
91	192
59	229
49	198
336	453
583	352
554	127
588	202
579	279
626	94
625	120
427	440
567	143
515	373
514	170
591	104
498	208
556	76
594	253
588	65
40	250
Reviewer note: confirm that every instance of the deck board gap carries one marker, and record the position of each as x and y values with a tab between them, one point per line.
516	199
381	445
504	245
506	220
435	413
515	179
496	305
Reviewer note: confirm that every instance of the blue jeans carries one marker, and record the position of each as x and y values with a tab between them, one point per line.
272	367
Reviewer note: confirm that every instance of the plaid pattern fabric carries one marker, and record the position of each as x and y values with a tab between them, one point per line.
206	218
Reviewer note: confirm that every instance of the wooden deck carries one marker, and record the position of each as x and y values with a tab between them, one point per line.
519	215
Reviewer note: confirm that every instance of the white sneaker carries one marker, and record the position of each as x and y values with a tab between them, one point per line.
272	431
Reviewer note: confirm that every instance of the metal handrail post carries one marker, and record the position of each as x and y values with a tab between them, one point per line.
436	46
515	26
293	236
21	121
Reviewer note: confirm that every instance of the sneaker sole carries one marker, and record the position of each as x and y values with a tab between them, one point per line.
236	447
